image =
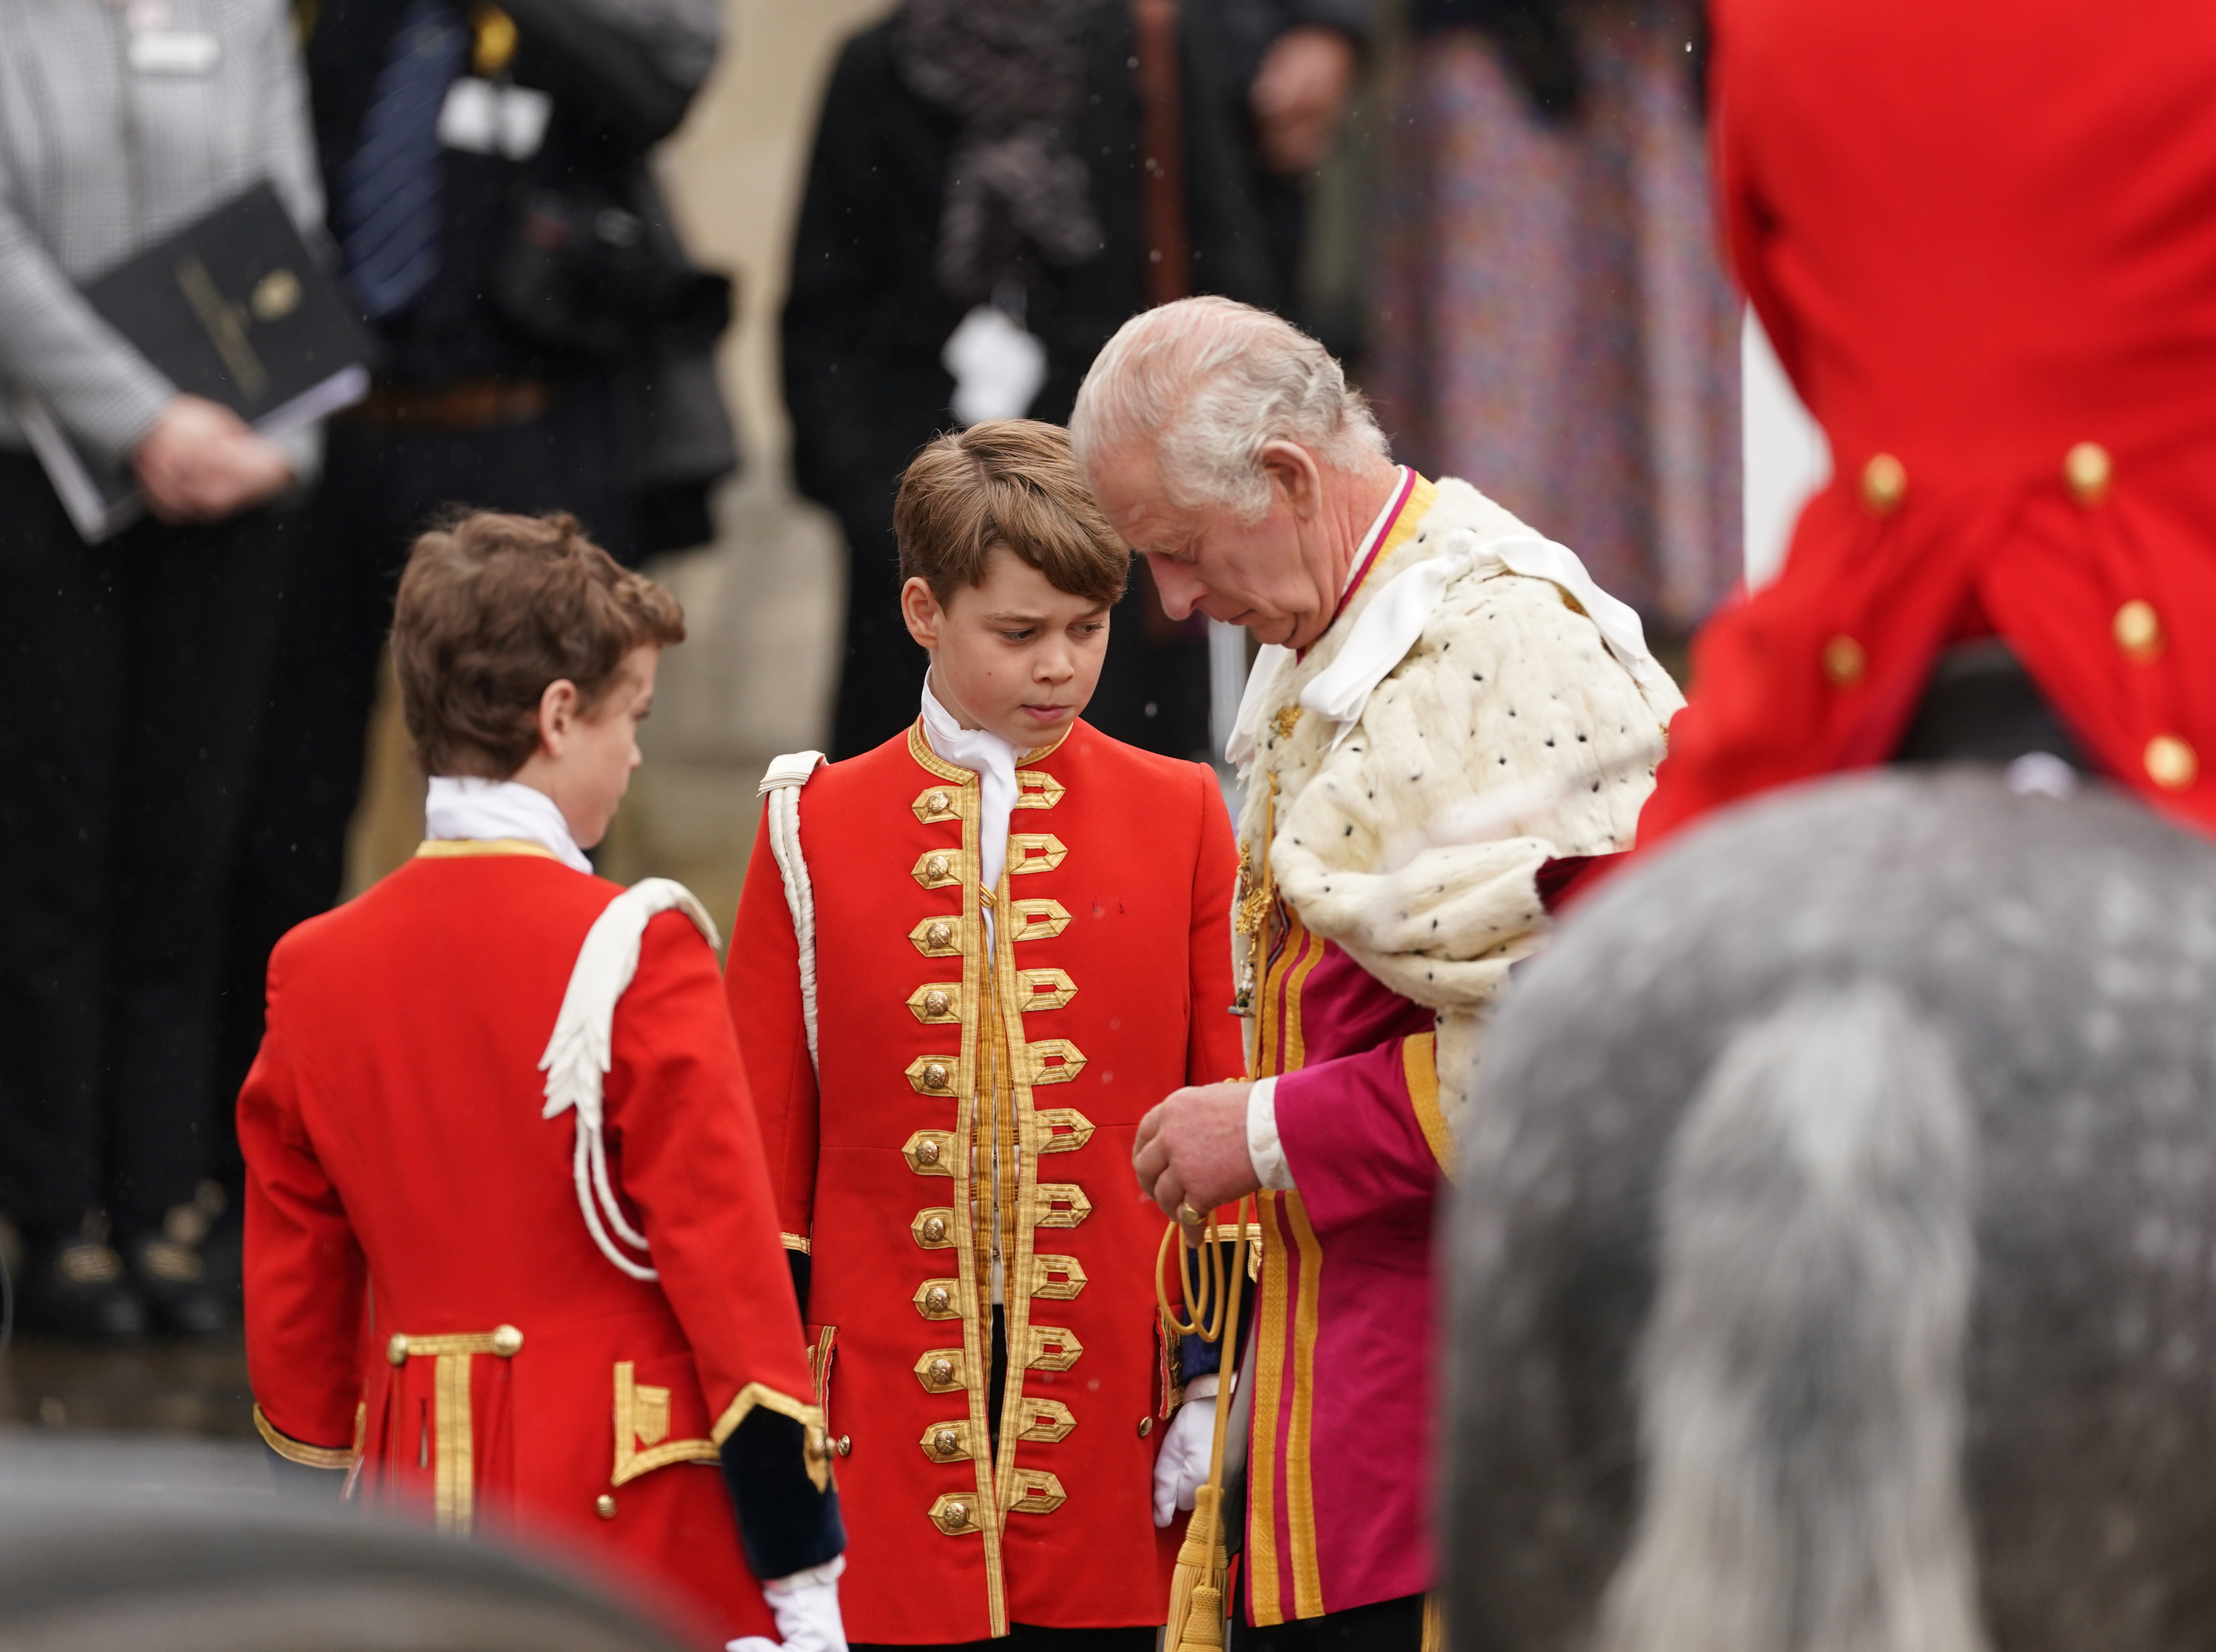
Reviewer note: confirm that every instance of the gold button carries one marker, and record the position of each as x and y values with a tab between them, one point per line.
935	867
605	1506
937	935
2087	470
397	1349
1844	661
506	1341
927	1151
957	1514
937	802
942	1372
2170	763
934	1077
1146	1426
815	1445
934	1228
946	1442
936	1004
1884	484
2138	630
846	1445
937	1299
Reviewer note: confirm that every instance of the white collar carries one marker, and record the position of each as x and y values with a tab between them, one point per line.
465	807
992	761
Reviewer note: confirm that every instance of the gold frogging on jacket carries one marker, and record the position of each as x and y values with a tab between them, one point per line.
454	1484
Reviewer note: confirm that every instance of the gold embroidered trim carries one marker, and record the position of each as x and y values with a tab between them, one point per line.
947	1442
941	1370
1435	1625
297	1451
1060	1204
1300	1479
940	937
454	1485
1058	1279
935	869
930	1152
1037	919
1046	1422
936	1003
933	1228
1053	1061
1041	753
1036	788
938	1298
1052	1348
957	1516
797	1242
1044	989
1419	1065
1062	1129
1034	851
938	805
455	849
820	1354
643	1419
1037	1493
1265	1602
1286	719
936	1075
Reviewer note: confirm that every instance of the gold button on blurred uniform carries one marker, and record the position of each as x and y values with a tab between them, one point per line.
846	1445
936	1004
2138	630
942	1371
946	1442
2170	763
2086	470
1844	661
934	1228
397	1349
957	1516
1146	1426
1884	484
937	935
935	867
605	1506
937	1299
935	1075
937	802
927	1151
506	1341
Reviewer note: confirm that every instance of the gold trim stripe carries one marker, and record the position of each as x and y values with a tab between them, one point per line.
799	1242
1262	1597
1300	1481
1419	1065
297	1451
455	849
642	1414
453	1491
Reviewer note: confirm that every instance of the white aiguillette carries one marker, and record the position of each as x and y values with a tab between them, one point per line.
172	54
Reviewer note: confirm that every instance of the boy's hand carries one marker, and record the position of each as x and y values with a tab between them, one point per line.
1191	1150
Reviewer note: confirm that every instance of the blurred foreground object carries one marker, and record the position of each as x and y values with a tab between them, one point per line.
123	1546
1977	235
1829	1256
1549	317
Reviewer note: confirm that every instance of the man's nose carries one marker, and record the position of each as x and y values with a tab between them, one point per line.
1180	587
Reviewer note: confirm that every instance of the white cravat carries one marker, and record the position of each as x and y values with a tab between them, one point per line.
994	762
464	807
1273	657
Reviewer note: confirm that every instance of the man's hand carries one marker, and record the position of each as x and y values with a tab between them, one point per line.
202	463
1299	97
1191	1148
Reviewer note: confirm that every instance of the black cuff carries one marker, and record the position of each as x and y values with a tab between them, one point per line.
798	1261
788	1522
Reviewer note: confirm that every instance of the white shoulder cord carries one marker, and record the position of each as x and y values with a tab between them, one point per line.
781	784
582	1049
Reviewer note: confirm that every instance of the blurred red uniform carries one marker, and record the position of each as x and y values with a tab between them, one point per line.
1982	234
514	1377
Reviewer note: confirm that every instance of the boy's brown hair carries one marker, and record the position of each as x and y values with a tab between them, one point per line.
1011	482
492	609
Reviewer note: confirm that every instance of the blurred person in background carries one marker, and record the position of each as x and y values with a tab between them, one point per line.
1551	317
996	185
544	345
131	669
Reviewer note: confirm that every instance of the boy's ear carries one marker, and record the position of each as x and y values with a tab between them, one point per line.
922	612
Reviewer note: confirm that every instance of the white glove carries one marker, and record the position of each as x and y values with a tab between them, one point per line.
806	1607
1181	1460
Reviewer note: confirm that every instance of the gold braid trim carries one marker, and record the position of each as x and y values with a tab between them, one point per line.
295	1451
441	849
794	1242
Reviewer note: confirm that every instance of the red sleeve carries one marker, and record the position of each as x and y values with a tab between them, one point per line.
1744	217
1216	1051
1364	1138
761	982
681	1124
306	1280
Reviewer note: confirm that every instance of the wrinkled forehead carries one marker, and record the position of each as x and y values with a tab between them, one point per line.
1127	480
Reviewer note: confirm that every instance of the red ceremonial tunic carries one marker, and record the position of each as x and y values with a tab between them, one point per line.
1982	234
400	1176
1105	989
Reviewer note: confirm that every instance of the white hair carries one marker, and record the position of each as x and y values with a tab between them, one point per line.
1207	383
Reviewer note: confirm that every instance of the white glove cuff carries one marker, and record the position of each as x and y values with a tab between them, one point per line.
814	1577
1262	1143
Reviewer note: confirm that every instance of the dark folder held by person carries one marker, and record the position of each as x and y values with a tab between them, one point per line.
234	307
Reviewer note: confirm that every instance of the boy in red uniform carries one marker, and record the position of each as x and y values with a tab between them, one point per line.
500	1108
966	963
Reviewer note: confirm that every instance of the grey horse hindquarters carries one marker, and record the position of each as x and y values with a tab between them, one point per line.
1834	1258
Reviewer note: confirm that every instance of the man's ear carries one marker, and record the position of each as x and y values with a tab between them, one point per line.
557	714
1295	475
920	609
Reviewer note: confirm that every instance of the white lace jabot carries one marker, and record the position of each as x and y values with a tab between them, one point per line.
461	806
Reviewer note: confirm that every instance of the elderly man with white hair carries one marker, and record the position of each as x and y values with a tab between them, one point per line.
1447	719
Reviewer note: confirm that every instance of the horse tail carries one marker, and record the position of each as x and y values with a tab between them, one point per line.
1800	1388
